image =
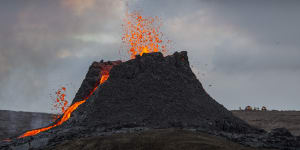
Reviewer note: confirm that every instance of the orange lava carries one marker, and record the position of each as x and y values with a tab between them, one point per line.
142	35
104	78
105	73
67	113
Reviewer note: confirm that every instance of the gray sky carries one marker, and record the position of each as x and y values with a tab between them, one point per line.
247	50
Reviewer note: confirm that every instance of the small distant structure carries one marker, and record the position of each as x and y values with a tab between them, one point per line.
264	108
248	108
256	108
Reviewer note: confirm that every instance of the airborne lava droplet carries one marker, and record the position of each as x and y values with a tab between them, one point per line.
60	103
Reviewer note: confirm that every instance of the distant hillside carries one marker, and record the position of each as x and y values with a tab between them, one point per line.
272	119
13	123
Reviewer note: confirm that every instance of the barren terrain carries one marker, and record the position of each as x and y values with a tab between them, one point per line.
272	119
159	139
13	123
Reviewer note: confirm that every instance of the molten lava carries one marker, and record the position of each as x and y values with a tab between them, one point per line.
142	35
105	72
104	78
64	118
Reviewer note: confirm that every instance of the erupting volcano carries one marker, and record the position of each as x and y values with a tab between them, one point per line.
149	91
141	35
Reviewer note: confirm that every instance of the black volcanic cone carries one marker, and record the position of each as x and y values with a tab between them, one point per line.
156	92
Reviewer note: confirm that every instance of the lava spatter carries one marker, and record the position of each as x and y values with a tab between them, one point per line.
142	35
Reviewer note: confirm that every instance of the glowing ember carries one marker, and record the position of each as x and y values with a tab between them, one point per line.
142	35
60	103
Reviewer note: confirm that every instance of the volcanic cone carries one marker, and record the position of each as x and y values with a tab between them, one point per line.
152	91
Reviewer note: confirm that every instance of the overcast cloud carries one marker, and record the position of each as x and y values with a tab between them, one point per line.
248	51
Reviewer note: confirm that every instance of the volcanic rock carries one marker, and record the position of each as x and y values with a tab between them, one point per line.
281	132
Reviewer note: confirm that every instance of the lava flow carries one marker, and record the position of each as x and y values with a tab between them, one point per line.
141	35
67	113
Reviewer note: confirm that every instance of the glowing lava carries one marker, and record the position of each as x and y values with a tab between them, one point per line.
142	35
105	73
64	118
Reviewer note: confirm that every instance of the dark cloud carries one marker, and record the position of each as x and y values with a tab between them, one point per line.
251	48
42	40
245	49
253	60
268	21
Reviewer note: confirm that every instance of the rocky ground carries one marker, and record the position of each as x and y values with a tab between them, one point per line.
15	122
159	139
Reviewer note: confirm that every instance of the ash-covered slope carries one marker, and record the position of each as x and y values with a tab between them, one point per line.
156	92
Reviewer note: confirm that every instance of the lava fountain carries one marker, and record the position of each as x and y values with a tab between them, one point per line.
142	35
